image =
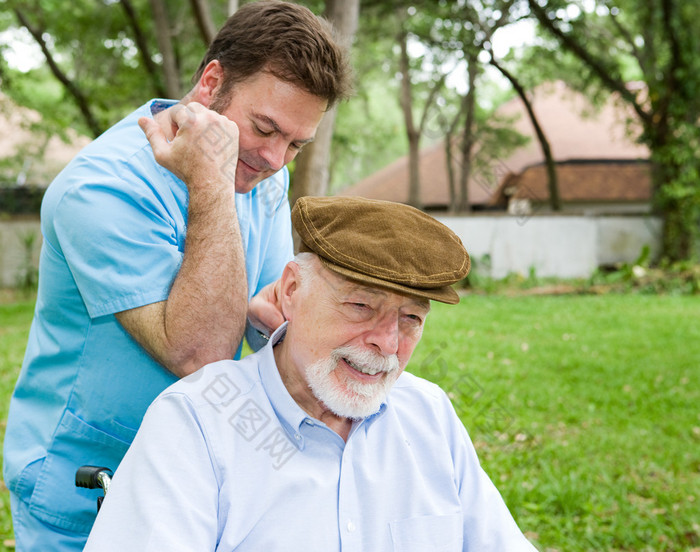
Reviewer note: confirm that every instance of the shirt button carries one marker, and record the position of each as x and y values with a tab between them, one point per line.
351	526
309	422
297	437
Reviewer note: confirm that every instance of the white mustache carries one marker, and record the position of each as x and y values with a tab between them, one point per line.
365	360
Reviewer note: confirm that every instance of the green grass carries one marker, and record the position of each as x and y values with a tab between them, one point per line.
583	409
15	318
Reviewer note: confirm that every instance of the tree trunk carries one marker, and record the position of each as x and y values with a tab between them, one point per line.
311	172
552	181
202	13
453	201
165	45
451	186
411	133
142	45
467	146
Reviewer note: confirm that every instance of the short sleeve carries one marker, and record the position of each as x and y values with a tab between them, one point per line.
121	243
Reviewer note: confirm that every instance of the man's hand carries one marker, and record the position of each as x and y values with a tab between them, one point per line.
204	147
265	310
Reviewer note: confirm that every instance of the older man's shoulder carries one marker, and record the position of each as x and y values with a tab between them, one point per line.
424	407
412	388
219	382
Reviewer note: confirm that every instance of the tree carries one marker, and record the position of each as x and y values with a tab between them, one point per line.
312	172
552	182
166	47
452	36
38	32
414	130
659	41
205	22
465	29
108	56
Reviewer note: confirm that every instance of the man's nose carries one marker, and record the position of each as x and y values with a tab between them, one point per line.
385	334
275	154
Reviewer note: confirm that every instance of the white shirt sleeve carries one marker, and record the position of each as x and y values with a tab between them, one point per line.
164	495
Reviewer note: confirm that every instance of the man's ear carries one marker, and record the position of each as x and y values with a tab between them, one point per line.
209	83
289	289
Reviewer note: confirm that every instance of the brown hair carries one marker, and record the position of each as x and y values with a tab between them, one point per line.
288	41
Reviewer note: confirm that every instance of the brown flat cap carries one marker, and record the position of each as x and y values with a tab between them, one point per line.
384	244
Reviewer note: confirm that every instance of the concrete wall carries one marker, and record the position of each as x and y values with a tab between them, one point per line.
16	254
561	246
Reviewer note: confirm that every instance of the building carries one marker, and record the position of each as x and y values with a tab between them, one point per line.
600	167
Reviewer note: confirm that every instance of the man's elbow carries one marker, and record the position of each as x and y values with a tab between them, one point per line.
194	359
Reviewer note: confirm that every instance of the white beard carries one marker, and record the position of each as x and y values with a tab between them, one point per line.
351	398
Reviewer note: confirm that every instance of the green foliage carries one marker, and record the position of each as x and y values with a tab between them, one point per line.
368	134
28	278
672	278
638	277
615	41
20	200
95	46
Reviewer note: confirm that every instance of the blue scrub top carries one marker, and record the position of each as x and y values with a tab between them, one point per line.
114	225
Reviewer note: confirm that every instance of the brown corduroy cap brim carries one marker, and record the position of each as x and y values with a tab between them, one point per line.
384	244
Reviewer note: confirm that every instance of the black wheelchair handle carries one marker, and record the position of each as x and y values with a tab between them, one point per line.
92	477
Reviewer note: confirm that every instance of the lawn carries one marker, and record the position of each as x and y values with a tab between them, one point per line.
15	318
583	409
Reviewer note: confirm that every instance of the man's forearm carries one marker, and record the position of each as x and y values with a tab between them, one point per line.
203	319
205	312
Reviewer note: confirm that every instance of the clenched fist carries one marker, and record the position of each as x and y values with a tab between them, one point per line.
203	151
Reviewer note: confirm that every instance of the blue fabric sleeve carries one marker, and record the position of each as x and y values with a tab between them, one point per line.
121	245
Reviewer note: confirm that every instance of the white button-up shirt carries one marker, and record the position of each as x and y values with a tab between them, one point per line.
226	460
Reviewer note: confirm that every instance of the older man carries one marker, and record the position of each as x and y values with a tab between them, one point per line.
320	441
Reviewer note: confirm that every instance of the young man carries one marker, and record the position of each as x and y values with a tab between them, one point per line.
320	441
155	238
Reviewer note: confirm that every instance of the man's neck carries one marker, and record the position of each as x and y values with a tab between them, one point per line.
299	389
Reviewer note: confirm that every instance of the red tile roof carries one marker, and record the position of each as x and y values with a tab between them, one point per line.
575	130
587	181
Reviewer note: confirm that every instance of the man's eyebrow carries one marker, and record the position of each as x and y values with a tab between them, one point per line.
423	304
270	121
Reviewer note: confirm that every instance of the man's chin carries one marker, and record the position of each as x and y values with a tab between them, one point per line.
349	404
245	185
353	412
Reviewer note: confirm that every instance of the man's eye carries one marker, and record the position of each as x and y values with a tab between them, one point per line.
262	132
414	318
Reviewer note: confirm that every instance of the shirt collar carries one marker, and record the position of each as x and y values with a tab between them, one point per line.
158	105
290	414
